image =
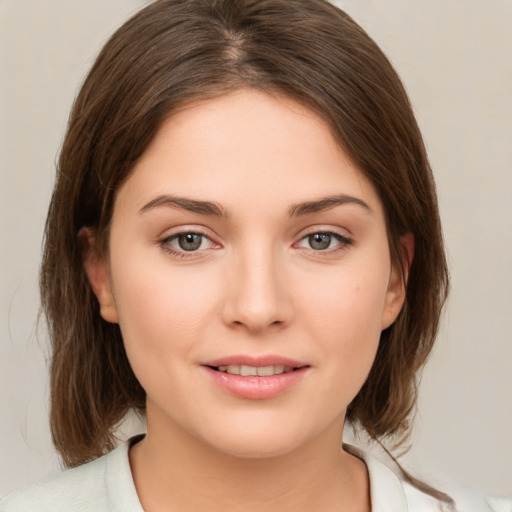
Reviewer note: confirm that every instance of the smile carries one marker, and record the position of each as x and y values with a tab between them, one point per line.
258	378
260	371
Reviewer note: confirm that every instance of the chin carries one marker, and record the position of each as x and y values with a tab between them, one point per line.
258	440
261	447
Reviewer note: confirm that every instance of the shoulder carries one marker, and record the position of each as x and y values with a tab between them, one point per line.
80	489
466	500
67	491
390	492
102	485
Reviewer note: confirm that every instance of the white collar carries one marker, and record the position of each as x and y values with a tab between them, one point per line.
386	490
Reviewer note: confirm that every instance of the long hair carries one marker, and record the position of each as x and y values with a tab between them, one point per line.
176	51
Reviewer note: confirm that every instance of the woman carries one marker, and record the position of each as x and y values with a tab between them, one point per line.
244	246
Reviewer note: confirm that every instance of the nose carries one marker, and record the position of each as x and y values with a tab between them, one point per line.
258	292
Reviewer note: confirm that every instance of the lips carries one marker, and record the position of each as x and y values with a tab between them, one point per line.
255	378
260	371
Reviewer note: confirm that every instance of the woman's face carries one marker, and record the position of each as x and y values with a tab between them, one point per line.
245	241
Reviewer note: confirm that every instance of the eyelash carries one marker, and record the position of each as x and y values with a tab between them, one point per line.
343	240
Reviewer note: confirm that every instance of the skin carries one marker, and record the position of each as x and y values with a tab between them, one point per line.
255	287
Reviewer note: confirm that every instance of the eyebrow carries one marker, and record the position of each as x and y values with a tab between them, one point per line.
217	210
325	203
185	203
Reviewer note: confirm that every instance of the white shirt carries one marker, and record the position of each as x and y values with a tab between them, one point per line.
106	485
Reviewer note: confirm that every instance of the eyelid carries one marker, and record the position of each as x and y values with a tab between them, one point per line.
184	229
326	229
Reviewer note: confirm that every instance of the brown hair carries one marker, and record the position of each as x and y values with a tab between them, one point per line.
176	51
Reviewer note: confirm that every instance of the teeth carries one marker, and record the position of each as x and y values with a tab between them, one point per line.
265	371
248	370
261	371
278	370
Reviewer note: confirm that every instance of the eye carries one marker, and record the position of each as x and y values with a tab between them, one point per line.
189	241
179	244
328	241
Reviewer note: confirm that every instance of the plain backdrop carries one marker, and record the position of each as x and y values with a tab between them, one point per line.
455	59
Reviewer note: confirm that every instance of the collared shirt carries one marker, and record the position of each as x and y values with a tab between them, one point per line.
106	485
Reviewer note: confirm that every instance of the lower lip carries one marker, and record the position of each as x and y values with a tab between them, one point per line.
256	388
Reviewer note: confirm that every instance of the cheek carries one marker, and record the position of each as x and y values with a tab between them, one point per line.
345	320
350	300
161	310
161	321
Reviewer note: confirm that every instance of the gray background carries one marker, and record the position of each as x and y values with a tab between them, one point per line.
455	59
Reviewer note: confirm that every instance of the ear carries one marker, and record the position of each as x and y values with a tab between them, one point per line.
397	286
96	268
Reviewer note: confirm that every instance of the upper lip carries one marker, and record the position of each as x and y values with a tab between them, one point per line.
257	361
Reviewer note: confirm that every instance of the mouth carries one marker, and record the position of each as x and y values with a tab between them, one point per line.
256	378
255	371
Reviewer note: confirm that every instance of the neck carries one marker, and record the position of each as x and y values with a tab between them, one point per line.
174	471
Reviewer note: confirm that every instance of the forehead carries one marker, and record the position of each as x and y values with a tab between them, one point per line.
248	150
